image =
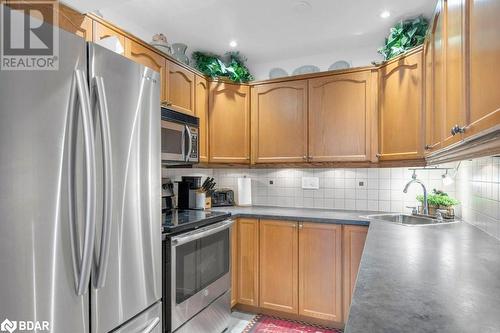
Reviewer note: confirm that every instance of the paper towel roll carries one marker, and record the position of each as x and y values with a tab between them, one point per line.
244	195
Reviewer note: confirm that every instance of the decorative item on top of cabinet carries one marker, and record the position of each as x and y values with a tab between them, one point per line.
354	238
179	88
279	122
179	52
101	31
146	57
484	71
320	271
401	108
201	111
229	123
247	262
160	42
341	111
278	288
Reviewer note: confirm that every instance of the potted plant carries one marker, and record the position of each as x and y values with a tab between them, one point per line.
439	200
231	69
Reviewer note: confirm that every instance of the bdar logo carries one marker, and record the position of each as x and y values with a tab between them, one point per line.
8	326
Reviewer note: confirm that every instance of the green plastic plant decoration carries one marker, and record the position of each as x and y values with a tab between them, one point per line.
438	199
213	66
404	36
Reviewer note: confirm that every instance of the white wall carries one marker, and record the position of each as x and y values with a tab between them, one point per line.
339	188
357	57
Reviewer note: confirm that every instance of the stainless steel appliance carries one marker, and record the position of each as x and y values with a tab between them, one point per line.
179	138
223	197
198	280
80	236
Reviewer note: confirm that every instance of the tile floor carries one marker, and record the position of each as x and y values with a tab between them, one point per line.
239	320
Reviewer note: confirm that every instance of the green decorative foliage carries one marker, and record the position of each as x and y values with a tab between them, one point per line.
404	35
438	199
213	66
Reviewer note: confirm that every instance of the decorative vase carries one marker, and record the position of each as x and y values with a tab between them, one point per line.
179	52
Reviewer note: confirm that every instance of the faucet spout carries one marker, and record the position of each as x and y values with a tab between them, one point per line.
415	180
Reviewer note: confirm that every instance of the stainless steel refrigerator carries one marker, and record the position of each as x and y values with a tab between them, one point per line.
80	189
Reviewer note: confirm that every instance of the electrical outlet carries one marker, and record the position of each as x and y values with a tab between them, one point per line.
362	184
310	183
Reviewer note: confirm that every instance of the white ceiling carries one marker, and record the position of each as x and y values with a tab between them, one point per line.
267	31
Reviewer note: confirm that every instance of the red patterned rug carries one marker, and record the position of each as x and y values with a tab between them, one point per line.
267	324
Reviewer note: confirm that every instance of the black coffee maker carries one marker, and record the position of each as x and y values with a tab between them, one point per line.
187	191
167	195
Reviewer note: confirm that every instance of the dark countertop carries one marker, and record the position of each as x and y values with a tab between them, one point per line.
178	220
422	279
299	214
437	278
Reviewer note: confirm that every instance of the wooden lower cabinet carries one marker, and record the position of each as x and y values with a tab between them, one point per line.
247	254
320	271
278	266
354	238
234	263
300	270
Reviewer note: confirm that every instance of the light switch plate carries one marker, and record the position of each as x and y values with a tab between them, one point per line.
310	183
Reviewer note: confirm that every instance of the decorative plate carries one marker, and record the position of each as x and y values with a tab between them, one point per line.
306	69
341	64
277	72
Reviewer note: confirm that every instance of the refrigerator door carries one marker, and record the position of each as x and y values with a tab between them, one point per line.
126	276
47	193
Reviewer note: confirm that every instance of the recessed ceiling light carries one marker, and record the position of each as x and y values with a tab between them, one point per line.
385	14
233	43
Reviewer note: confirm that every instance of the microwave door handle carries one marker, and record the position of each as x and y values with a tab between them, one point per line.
190	143
176	241
183	139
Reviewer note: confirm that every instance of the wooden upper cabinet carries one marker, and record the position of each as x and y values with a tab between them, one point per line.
75	22
454	93
101	31
279	122
401	108
179	88
247	261
279	266
354	238
146	57
320	271
340	113
229	123
201	111
484	52
234	263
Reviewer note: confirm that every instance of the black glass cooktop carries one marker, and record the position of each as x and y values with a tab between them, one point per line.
178	220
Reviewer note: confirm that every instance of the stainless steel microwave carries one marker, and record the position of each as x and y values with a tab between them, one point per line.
179	138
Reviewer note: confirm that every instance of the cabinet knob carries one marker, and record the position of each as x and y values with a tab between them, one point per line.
378	155
304	157
166	103
457	130
427	147
301	225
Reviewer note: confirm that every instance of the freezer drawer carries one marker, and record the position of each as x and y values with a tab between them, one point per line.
147	322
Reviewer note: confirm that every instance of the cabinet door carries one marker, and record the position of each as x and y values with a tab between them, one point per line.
248	262
201	111
279	122
101	31
229	123
484	55
340	113
279	266
75	22
179	88
234	263
146	57
354	242
320	271
455	104
401	109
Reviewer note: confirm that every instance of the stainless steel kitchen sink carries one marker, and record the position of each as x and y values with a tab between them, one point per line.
413	220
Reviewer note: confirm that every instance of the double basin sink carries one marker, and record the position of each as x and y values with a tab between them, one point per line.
413	220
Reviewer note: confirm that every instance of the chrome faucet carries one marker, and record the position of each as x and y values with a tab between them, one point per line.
415	180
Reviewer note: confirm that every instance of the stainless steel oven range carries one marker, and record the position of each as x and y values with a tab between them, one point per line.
197	279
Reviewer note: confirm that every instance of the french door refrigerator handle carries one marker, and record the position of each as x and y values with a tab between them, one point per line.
152	325
190	143
100	101
82	265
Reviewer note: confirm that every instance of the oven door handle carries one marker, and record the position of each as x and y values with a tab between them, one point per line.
204	232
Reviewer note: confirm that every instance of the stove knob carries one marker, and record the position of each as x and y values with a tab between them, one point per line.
205	292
